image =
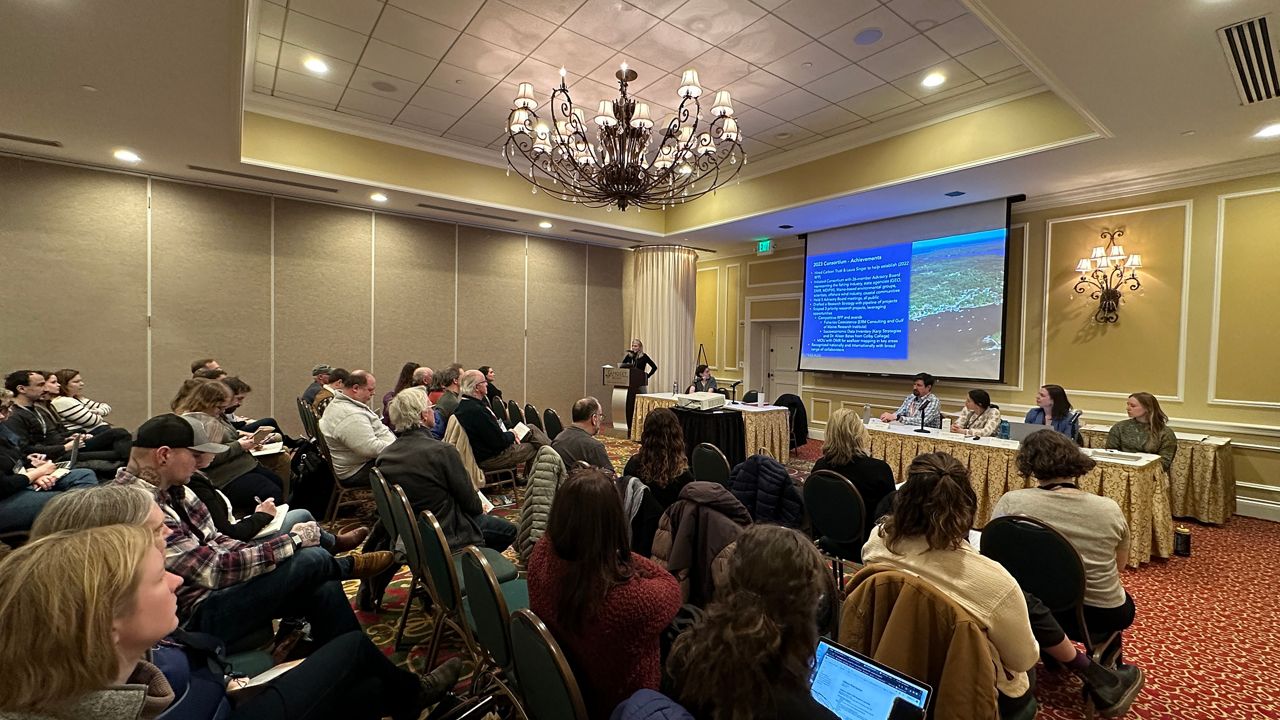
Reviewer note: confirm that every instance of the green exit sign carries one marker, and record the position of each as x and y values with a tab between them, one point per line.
764	247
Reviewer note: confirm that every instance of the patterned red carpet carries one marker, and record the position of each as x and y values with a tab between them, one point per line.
1207	633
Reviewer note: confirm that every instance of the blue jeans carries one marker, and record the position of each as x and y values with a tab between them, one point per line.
498	533
302	515
301	586
19	510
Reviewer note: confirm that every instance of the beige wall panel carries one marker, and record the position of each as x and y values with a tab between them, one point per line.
1258	467
606	332
1013	309
1141	350
776	309
706	311
211	289
557	324
323	299
413	292
87	231
732	316
491	305
1250	258
769	271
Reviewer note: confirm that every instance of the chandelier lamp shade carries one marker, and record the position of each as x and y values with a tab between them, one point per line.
1106	274
620	156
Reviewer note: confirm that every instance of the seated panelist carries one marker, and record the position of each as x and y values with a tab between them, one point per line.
703	381
979	418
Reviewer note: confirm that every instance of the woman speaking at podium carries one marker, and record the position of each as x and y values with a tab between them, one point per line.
636	358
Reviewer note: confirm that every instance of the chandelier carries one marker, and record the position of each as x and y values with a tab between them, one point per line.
631	163
1106	273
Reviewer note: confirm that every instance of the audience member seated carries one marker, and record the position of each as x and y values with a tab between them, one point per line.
845	451
1095	525
337	381
29	482
979	418
751	655
493	447
546	477
493	392
33	432
606	606
204	364
102	443
355	433
403	380
319	378
236	472
702	380
210	374
232	589
921	402
661	462
765	487
239	391
78	413
433	477
1146	431
578	442
695	538
437	387
89	615
450	393
926	535
423	377
1054	410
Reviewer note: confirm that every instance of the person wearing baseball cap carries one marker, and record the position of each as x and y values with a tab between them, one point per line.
320	378
232	589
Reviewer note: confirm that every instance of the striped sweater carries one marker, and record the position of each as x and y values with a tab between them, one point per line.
80	414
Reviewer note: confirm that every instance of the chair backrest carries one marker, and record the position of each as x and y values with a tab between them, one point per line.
514	414
710	464
553	424
490	618
382	501
307	416
500	409
1040	558
750	397
401	513
546	681
435	550
836	510
531	416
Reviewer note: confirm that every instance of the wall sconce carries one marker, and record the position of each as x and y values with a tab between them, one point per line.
1106	273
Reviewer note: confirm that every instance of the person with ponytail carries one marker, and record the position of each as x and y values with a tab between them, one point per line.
926	535
1146	431
752	654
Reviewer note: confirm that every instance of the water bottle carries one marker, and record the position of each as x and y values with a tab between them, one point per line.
1003	433
866	413
675	387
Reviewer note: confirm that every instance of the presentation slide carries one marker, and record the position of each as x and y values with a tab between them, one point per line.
920	293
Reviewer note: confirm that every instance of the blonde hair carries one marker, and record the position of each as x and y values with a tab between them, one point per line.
59	596
846	437
1156	420
406	408
94	507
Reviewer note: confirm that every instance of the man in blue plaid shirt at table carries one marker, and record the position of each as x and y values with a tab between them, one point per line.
921	401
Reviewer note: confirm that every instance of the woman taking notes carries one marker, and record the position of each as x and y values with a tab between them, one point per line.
1146	431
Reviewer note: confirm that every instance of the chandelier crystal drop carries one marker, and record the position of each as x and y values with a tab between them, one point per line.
625	160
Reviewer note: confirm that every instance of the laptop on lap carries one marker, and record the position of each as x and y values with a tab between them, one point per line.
855	687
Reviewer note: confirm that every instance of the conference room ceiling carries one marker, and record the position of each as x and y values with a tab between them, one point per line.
172	82
800	71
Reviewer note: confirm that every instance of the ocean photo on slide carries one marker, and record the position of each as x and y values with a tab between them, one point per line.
956	309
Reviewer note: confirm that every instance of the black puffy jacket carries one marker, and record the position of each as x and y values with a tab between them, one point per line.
763	485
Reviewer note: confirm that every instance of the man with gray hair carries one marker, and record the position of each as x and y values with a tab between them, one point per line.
434	478
493	447
448	402
578	441
423	377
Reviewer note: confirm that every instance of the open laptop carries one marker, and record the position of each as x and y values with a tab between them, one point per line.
1020	430
855	687
70	462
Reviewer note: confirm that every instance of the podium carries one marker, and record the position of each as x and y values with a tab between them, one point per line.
625	382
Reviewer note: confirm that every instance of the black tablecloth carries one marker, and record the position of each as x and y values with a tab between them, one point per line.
720	427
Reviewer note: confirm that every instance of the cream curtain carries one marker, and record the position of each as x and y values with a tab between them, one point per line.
662	314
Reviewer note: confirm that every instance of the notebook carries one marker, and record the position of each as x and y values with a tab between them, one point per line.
855	687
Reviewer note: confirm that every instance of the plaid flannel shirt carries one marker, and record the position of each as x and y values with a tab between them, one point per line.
911	408
204	558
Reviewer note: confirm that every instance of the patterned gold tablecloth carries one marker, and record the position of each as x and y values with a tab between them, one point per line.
1140	491
1202	483
761	428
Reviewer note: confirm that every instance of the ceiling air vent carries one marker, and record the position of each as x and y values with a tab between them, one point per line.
1251	55
469	213
30	140
259	178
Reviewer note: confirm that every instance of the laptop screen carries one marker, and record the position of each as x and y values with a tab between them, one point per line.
855	687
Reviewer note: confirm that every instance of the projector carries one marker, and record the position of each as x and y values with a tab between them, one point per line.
700	401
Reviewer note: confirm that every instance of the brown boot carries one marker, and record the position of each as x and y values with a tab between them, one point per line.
350	540
367	565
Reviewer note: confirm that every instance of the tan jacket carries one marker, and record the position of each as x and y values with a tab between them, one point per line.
902	621
457	437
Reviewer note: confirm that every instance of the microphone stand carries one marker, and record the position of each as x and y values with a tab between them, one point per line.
922	429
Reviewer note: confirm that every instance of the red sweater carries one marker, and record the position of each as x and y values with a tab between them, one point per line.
617	651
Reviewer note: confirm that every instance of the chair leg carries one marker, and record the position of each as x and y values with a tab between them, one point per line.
414	591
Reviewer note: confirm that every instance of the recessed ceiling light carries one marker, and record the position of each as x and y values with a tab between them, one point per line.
378	197
316	65
785	227
545	225
1270	131
806	65
783	135
88	88
128	156
954	193
870	36
933	79
1188	133
383	85
923	25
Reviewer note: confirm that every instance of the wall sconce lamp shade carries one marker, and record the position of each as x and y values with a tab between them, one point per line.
1106	274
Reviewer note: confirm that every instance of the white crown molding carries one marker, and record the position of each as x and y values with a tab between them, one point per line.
352	125
1189	177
